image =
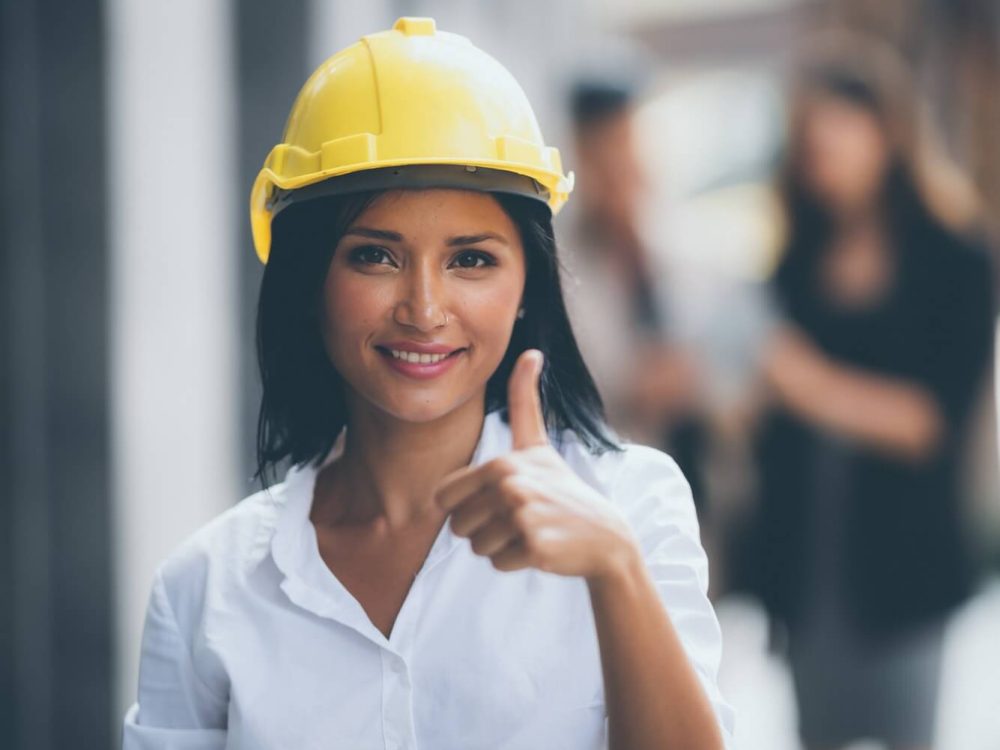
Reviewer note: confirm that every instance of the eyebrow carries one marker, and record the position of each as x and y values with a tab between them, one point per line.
385	234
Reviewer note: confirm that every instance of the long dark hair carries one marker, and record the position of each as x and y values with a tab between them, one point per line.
302	408
922	192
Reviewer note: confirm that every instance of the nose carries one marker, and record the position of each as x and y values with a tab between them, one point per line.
422	302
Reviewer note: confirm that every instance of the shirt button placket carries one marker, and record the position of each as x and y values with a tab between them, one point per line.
397	703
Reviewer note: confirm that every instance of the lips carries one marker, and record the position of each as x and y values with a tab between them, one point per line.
418	358
419	347
423	365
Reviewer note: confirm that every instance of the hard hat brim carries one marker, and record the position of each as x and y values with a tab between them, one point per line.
414	176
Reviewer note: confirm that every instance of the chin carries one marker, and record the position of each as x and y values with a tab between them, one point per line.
421	411
412	401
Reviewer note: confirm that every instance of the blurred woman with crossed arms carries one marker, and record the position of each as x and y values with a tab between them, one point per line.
889	308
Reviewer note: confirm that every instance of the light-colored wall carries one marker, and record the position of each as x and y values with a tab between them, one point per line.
174	386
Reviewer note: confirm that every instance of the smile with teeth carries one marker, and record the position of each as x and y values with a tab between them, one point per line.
415	357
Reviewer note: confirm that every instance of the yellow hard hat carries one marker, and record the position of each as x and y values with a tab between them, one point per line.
409	107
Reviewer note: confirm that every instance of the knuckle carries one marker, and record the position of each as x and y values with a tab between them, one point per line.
510	487
515	490
502	466
522	516
457	526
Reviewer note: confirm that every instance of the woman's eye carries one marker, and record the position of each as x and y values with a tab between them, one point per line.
472	258
370	255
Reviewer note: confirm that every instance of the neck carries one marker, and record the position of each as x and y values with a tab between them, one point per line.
860	218
389	468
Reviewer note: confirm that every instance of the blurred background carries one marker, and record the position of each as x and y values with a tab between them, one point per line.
791	233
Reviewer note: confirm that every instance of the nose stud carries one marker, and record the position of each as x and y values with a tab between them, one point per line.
520	313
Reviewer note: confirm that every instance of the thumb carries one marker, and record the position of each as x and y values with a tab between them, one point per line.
524	404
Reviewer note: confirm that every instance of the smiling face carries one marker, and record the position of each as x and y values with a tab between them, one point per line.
845	154
420	300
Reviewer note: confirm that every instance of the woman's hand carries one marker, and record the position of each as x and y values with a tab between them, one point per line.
793	365
528	509
883	412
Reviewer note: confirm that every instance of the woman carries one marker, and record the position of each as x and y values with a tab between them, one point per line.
858	547
420	373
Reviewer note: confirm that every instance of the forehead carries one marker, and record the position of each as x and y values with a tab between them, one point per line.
437	212
820	105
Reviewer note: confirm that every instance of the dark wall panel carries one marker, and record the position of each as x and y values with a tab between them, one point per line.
271	50
56	575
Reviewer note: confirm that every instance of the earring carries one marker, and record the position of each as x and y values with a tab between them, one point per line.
520	313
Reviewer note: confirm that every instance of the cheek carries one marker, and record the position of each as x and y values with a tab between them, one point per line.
487	311
844	169
848	154
870	160
352	307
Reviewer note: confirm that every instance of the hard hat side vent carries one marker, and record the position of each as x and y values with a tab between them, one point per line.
359	148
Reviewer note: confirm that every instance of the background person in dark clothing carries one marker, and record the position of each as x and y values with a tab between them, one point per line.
890	311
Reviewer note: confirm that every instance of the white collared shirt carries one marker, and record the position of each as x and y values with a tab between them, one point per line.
251	642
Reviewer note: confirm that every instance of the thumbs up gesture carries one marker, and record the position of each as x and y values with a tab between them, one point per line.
529	509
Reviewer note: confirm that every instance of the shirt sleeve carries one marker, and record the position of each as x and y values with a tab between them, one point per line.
175	709
658	503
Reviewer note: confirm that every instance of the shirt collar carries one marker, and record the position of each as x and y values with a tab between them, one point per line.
293	545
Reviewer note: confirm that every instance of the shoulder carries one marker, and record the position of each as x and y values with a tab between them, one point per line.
633	465
969	255
220	551
976	265
959	257
960	280
645	483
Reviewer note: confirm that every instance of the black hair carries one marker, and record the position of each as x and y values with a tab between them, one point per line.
302	408
599	93
594	101
846	84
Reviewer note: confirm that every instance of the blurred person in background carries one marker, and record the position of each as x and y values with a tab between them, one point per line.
617	291
889	311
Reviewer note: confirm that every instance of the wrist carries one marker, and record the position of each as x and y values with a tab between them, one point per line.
621	563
